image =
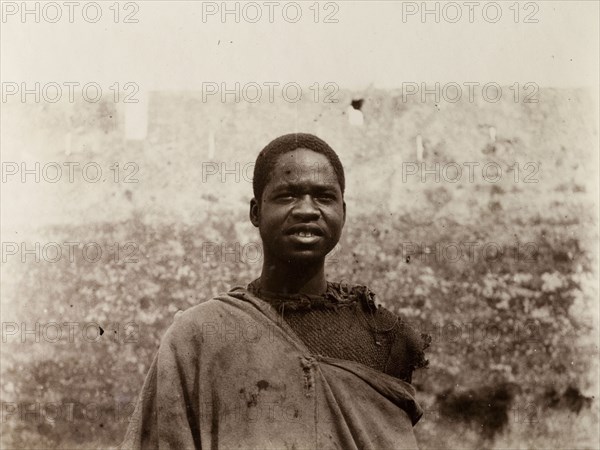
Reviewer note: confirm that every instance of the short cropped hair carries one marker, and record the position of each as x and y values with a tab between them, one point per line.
267	158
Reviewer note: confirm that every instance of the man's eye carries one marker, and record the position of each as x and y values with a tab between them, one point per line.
327	197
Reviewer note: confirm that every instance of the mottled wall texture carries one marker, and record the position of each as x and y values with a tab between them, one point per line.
474	220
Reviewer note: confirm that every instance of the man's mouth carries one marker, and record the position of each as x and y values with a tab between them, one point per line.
305	234
304	237
305	230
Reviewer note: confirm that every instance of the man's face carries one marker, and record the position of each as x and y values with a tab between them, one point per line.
302	212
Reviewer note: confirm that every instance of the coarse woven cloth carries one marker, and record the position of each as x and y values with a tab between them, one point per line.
346	323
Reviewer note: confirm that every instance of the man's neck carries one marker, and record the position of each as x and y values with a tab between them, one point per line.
306	278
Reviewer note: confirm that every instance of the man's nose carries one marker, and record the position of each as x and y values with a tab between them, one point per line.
305	208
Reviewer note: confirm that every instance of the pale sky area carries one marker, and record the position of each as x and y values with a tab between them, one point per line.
172	48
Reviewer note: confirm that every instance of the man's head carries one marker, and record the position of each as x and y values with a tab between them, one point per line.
298	202
267	158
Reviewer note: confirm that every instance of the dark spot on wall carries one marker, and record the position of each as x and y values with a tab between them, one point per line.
487	407
358	103
571	399
252	401
262	385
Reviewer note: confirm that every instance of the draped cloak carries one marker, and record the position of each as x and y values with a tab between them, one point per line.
230	374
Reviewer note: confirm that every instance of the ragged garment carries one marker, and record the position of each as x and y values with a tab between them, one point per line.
230	374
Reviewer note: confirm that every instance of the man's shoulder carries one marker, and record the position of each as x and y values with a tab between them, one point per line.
211	308
408	334
193	320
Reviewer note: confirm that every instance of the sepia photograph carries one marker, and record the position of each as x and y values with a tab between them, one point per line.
300	225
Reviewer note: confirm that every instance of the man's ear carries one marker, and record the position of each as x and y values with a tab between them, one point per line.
255	212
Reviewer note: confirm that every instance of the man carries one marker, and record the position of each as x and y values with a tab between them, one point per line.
292	360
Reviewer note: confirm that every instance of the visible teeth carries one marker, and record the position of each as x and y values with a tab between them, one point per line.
305	234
